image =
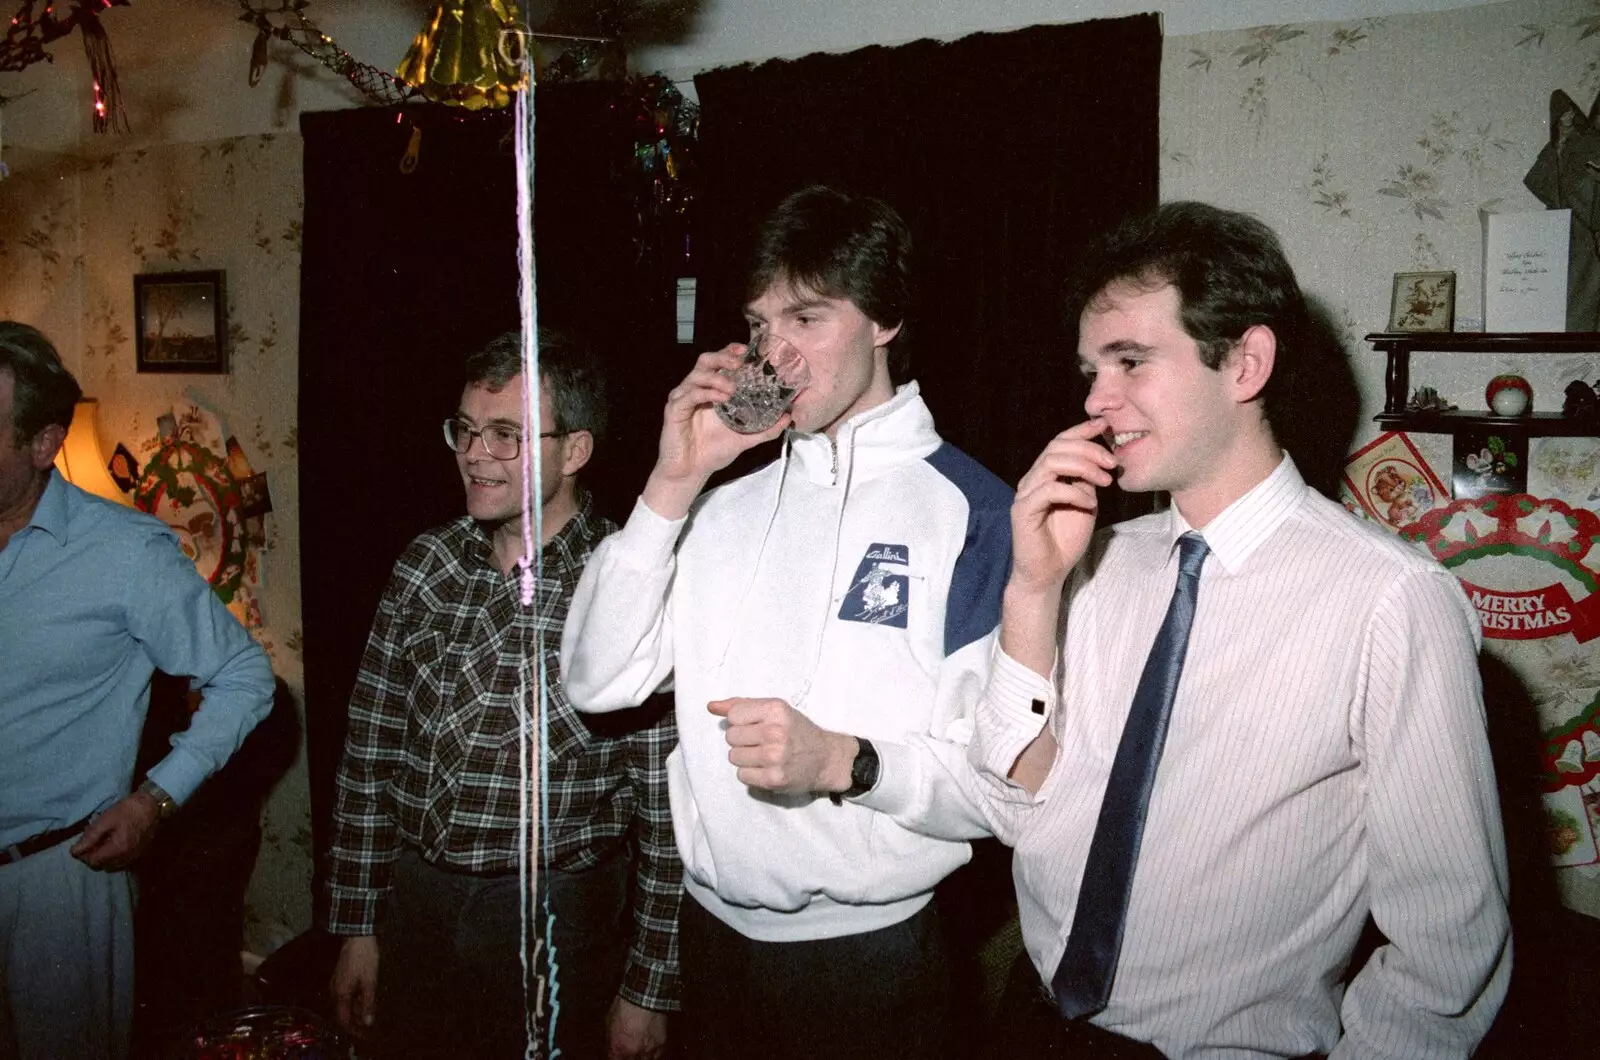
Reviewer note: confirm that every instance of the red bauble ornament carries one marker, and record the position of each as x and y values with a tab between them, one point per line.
1509	395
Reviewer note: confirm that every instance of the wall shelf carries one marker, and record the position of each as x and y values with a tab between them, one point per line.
1399	346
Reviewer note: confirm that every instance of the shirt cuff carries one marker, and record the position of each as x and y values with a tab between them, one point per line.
647	539
639	988
1015	707
352	911
898	778
178	774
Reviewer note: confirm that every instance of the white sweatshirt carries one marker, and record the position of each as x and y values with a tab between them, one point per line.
858	580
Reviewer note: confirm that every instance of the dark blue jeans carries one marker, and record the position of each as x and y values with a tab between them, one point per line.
450	968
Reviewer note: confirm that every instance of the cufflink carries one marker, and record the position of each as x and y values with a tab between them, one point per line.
1038	706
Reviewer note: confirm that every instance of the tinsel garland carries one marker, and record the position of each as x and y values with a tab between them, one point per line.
292	26
286	21
108	112
28	33
662	168
665	125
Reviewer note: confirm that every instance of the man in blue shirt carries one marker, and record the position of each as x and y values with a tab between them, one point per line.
93	598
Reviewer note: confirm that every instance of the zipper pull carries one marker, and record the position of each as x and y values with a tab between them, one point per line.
833	468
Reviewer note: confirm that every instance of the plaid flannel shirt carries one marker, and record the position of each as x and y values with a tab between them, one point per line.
431	758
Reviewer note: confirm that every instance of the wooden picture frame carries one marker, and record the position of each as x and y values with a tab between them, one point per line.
1423	301
181	322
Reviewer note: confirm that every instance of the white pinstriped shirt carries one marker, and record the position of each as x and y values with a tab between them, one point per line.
1326	757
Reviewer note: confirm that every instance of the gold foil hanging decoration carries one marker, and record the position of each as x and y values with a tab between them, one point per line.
458	57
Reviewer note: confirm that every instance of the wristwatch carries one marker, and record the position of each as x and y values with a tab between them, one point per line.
863	772
165	807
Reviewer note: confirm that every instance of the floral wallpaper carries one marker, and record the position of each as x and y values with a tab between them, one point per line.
1371	146
73	234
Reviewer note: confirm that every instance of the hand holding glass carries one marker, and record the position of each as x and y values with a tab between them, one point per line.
771	373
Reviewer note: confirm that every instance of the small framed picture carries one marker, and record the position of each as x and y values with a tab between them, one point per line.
1487	463
182	322
1423	301
124	468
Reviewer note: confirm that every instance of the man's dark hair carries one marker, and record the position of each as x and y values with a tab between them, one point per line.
840	246
1230	273
570	369
43	391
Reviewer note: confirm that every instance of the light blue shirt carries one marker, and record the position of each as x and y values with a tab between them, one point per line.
93	598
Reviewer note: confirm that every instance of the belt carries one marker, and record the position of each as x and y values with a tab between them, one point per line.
42	841
1079	1038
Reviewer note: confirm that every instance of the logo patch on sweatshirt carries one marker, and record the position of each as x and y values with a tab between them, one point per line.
881	589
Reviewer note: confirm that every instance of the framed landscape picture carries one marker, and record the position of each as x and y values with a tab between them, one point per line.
181	322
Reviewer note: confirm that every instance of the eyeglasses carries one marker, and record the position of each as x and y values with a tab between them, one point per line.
501	443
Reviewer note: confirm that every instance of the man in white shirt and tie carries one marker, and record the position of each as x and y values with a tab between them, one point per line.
1222	735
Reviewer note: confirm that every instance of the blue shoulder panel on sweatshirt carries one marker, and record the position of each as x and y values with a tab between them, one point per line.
973	608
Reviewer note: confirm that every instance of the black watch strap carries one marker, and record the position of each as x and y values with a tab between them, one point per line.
863	771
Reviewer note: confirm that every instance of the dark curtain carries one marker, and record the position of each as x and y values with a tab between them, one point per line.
402	275
1005	153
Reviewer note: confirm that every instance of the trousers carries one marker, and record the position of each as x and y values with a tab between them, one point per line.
880	995
450	961
66	959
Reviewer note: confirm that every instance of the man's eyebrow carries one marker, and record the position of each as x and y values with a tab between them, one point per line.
498	421
1110	352
799	305
803	304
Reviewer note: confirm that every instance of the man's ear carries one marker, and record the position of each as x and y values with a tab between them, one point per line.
46	444
576	449
1250	364
882	336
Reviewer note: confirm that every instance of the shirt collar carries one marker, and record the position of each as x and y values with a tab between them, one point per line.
883	436
568	542
1240	528
51	513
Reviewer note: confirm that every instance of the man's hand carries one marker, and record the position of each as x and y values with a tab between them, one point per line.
695	443
777	748
354	985
116	838
634	1033
1053	515
1052	520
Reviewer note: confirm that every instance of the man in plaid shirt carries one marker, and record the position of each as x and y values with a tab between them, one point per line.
440	772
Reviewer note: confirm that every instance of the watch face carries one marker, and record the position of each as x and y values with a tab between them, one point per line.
864	770
165	807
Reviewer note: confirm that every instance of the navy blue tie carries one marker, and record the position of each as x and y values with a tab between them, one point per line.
1082	983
